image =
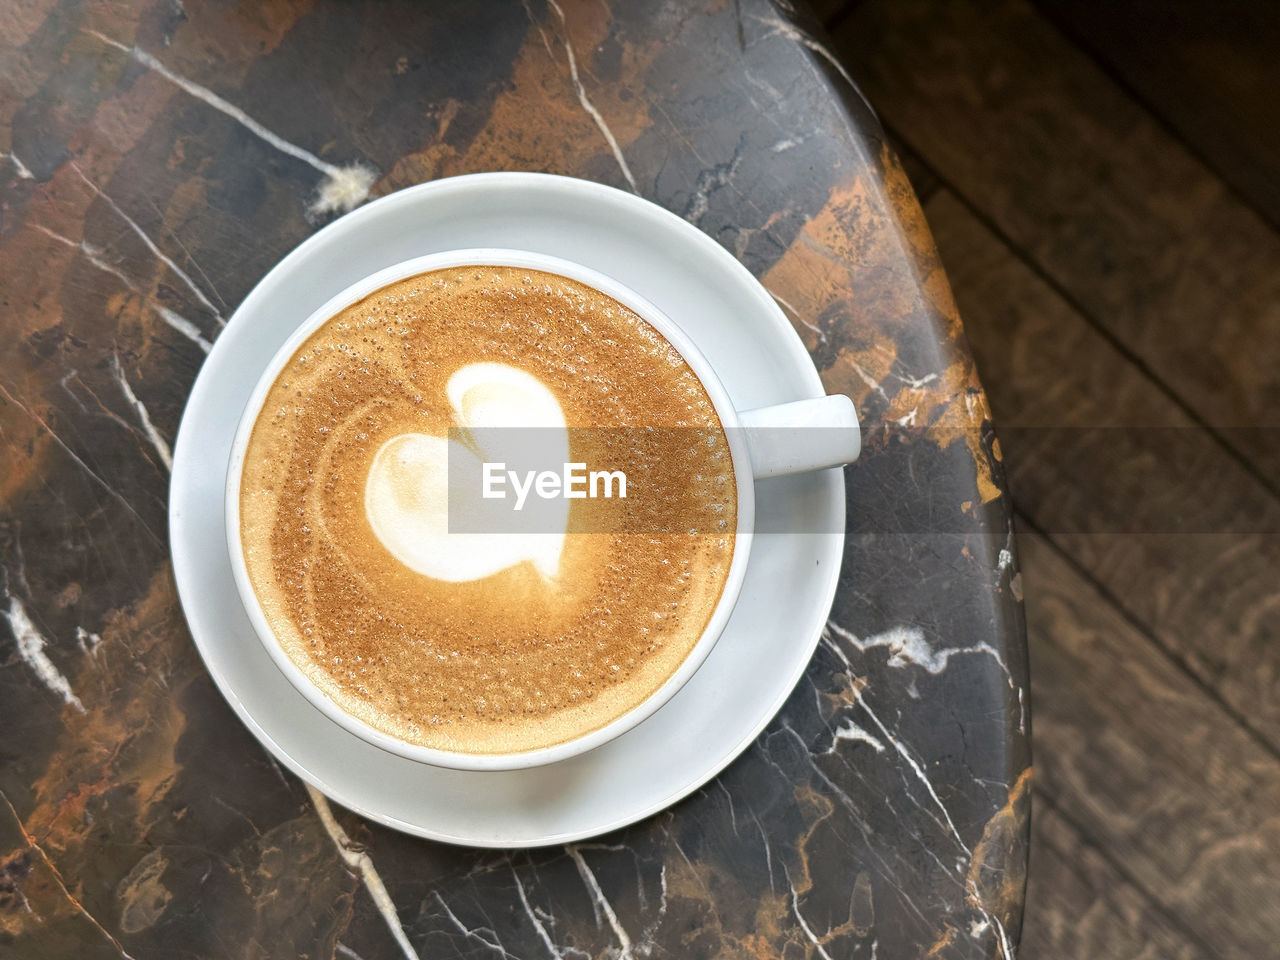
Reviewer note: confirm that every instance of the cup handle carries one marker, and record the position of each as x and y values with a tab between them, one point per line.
801	436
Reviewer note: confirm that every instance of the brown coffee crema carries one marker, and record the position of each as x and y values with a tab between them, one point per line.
525	657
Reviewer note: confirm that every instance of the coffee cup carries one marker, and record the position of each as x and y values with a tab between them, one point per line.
805	435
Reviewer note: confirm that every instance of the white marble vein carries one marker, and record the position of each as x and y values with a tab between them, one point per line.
782	28
557	952
971	407
474	934
31	644
886	870
869	380
89	471
174	320
708	182
88	642
916	383
808	931
826	641
1006	950
343	187
768	851
183	326
150	245
546	43
19	167
771	110
157	441
796	313
360	863
64	383
978	927
907	646
597	896
587	105
541	930
647	935
789	143
733	813
917	770
848	730
845	800
898	747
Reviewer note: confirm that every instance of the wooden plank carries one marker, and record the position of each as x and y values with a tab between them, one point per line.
1065	401
1106	202
1079	907
1164	781
1210	70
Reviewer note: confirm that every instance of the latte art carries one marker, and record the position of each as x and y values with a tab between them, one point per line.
407	493
485	642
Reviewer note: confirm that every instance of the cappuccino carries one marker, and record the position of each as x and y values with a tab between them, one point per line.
487	642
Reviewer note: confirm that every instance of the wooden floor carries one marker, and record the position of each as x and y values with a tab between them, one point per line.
1103	181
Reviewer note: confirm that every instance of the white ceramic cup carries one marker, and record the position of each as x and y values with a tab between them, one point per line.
768	442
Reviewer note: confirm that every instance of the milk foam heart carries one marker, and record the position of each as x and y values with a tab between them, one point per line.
408	495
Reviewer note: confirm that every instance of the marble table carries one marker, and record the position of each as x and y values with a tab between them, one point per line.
156	158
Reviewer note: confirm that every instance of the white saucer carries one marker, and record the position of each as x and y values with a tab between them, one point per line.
790	581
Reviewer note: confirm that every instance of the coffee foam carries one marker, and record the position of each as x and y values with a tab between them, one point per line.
338	499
